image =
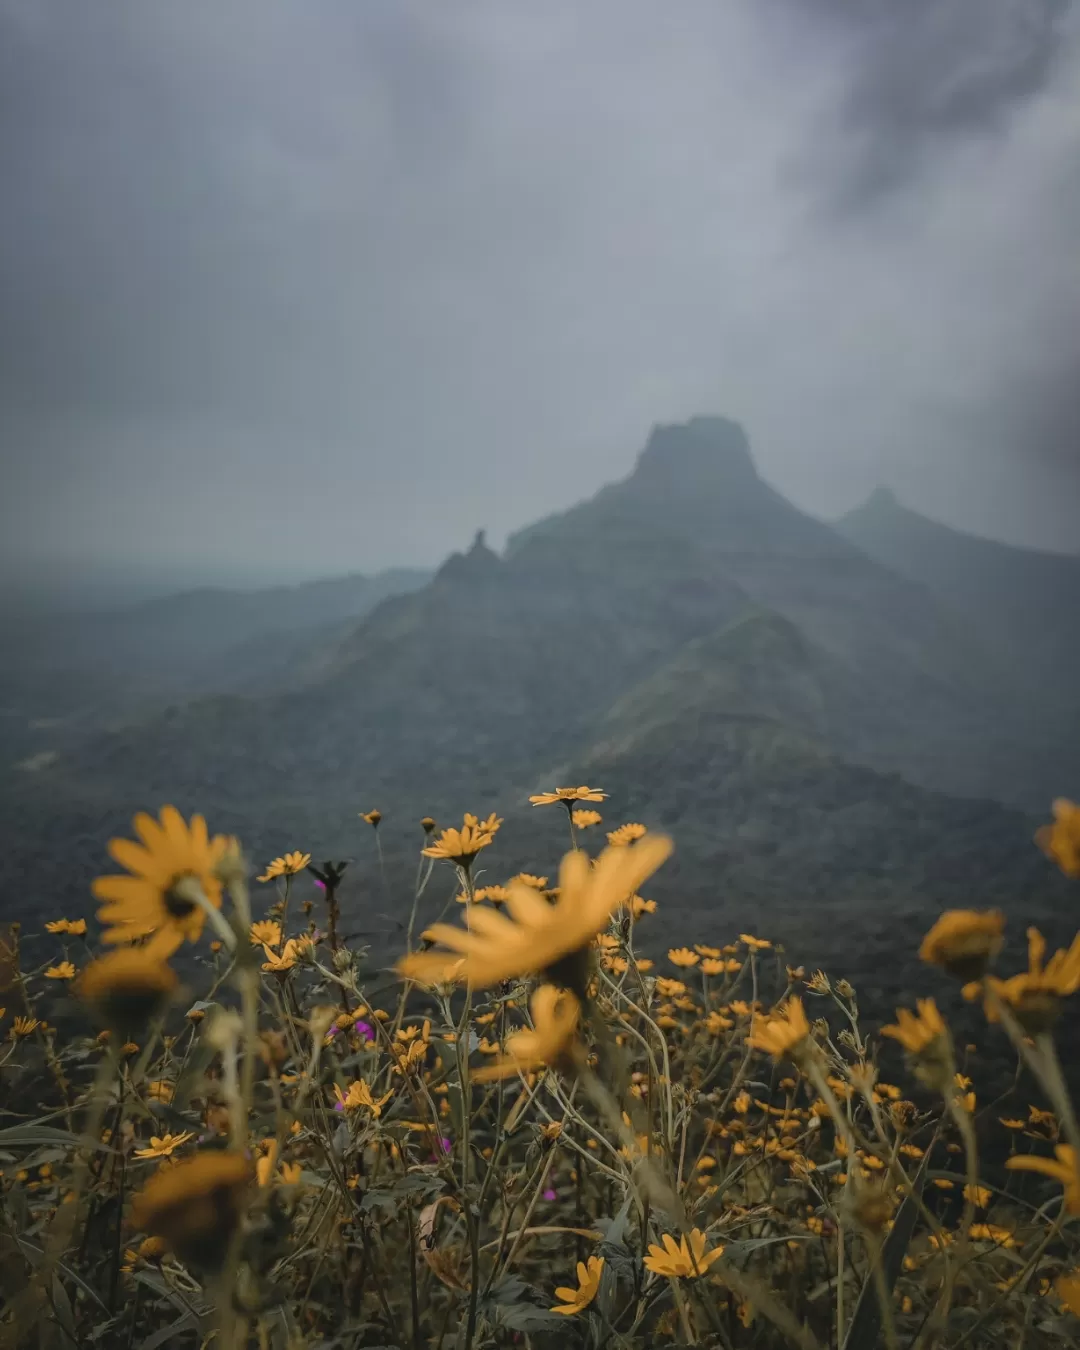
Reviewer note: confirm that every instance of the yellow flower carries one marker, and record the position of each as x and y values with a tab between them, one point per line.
163	1146
684	1261
462	846
1067	1288
917	1033
539	934
754	943
637	906
1061	841
710	953
286	866
626	834
196	1205
683	956
575	1300
172	858
76	927
964	942
782	1034
160	1090
265	933
293	951
497	895
359	1095
709	966
528	879
1064	1170
669	988
583	820
979	1196
24	1026
1035	995
990	1232
550	1040
372	818
64	971
568	794
127	988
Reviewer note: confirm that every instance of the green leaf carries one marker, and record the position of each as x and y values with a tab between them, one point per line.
42	1136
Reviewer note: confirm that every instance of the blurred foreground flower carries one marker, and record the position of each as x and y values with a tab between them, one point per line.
539	935
157	898
782	1033
1065	1170
964	942
196	1205
550	1040
1035	994
1061	840
126	989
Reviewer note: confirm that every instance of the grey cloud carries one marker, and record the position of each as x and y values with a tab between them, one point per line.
331	285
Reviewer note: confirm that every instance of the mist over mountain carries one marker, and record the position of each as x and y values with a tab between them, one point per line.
835	735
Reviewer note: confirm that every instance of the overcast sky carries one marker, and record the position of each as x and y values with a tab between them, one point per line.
297	286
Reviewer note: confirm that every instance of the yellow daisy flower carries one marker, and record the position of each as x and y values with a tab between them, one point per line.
782	1033
286	866
1061	841
683	956
462	846
265	933
64	971
575	1300
626	834
360	1096
153	899
685	1260
568	794
964	942
165	1145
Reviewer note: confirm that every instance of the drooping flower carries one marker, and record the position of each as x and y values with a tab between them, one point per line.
755	943
529	879
1065	1170
286	866
568	794
538	935
294	951
165	1145
359	1096
172	858
550	1040
462	846
1061	840
196	1205
372	818
64	971
964	942
782	1033
125	989
24	1026
588	1277
684	1260
916	1033
626	834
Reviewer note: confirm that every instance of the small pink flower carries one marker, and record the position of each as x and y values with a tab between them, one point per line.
366	1030
550	1194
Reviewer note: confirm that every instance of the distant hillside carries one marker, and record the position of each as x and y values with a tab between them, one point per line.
1022	603
791	708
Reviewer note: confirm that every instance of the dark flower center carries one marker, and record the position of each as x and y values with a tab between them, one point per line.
177	902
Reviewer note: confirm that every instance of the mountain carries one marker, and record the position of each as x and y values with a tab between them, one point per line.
1022	603
72	673
822	735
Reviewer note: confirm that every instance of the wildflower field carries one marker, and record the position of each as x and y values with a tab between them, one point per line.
220	1125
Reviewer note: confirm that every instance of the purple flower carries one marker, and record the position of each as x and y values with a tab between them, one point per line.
366	1030
339	1106
333	1031
321	884
550	1194
447	1146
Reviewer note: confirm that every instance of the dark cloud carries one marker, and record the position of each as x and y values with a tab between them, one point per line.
331	285
924	70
